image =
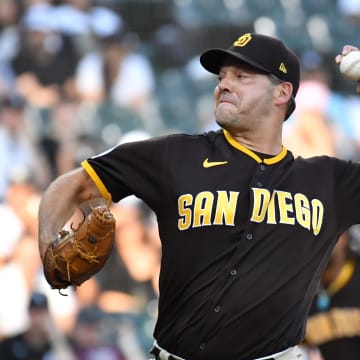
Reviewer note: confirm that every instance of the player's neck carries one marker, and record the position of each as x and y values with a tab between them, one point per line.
260	135
265	143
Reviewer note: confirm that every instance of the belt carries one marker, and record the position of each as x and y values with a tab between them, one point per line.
161	354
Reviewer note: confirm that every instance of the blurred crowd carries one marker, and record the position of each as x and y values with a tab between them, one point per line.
71	85
74	81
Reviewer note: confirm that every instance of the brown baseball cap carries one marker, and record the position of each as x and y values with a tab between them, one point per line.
263	52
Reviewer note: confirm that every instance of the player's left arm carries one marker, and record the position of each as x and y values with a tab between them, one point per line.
59	202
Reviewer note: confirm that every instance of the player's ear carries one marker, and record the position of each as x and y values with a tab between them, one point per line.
283	93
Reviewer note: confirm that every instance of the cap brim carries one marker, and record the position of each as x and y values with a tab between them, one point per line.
213	59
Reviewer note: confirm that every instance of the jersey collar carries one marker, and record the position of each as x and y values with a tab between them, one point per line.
252	154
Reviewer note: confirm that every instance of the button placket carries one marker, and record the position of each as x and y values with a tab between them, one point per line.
258	175
233	272
217	308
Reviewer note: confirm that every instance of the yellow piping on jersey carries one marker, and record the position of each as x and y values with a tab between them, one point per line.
269	161
95	178
343	278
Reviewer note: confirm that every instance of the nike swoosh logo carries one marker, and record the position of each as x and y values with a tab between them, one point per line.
208	164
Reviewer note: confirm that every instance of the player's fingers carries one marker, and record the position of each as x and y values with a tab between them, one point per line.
346	49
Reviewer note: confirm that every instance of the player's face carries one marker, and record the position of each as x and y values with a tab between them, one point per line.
242	97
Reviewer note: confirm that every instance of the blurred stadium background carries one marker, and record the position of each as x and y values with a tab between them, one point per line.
173	32
41	138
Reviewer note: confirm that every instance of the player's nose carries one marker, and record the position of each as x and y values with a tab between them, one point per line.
225	84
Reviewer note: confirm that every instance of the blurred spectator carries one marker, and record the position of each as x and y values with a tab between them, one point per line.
348	122
44	70
20	268
23	198
350	8
122	77
203	85
170	47
18	160
10	233
83	21
88	338
45	65
13	301
10	13
35	342
334	322
309	131
19	259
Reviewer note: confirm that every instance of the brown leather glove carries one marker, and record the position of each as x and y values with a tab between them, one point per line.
76	255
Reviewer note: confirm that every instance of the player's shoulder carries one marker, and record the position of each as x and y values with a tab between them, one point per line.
176	140
325	161
321	159
208	136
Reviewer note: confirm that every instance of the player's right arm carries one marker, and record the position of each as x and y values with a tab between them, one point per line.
346	50
59	202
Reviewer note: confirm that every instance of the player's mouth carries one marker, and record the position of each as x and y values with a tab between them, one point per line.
225	99
225	102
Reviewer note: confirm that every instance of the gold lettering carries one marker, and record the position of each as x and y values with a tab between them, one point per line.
202	208
317	215
207	209
184	202
285	208
261	202
302	210
271	210
225	208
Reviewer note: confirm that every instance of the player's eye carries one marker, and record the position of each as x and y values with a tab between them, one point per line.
242	75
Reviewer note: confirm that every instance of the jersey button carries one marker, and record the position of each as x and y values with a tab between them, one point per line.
249	236
217	308
262	167
233	272
202	346
259	184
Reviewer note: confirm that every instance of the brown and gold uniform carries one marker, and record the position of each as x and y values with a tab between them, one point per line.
245	237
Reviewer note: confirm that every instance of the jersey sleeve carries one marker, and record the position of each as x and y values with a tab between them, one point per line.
135	168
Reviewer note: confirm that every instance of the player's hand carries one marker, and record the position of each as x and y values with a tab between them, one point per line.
347	49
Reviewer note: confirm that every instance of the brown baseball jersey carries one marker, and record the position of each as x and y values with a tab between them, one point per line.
245	237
